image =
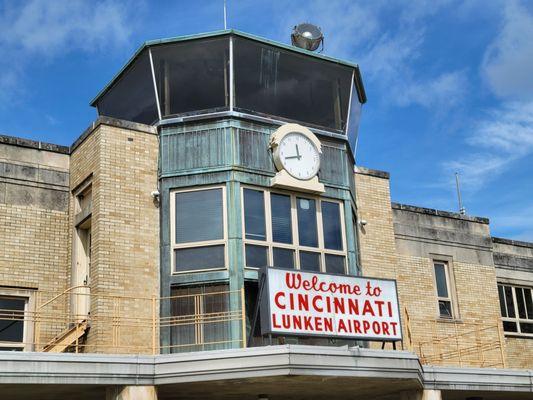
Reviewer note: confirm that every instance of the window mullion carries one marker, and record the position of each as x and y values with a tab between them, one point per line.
515	306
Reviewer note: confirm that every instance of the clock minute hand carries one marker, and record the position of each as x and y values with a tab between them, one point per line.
288	158
298	152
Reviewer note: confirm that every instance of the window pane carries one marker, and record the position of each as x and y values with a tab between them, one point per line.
526	327
283	258
309	261
254	214
199	258
335	264
529	303
215	330
11	319
132	97
502	301
192	76
331	222
307	230
440	276
509	326
509	301
199	216
279	82
520	302
445	309
182	331
256	256
280	206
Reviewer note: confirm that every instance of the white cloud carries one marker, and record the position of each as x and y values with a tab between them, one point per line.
42	30
508	61
362	31
503	137
47	27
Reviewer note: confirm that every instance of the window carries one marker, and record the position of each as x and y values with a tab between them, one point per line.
516	305
201	318
12	323
290	231
198	229
443	285
192	76
278	82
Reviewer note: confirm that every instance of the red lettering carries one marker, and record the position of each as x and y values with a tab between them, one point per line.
376	327
367	308
297	321
276	300
357	326
380	305
389	306
393	325
342	326
386	328
328	324
338	304
315	306
303	302
285	320
292	280
307	324
318	324
366	326
353	306
274	322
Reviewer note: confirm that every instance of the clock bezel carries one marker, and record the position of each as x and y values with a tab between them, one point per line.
279	135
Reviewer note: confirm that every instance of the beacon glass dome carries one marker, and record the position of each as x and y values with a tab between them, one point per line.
307	36
230	73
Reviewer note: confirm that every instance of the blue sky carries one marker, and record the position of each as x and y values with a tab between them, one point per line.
449	83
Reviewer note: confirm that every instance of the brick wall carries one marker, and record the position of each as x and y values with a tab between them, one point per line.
34	238
124	275
397	244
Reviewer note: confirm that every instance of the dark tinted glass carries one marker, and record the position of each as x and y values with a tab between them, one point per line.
280	206
192	76
133	97
502	301
254	214
509	326
199	216
309	261
331	221
199	258
278	82
521	303
508	290
335	264
11	319
353	119
256	256
440	275
526	327
529	303
307	229
283	258
445	309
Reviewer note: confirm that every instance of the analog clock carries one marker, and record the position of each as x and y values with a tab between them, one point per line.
298	155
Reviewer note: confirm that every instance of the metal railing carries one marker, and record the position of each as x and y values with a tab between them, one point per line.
120	324
456	343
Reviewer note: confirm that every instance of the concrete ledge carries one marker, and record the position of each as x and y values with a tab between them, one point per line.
478	379
512	242
371	172
33	144
118	123
439	213
304	363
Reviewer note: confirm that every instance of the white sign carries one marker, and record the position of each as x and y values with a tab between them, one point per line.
305	303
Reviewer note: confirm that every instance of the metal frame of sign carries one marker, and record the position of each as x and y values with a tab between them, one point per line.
263	307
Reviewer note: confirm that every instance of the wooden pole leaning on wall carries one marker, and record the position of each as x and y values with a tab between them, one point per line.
243	318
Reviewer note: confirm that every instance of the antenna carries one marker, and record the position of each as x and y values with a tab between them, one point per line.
462	210
225	17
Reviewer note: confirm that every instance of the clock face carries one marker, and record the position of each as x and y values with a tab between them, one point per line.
299	156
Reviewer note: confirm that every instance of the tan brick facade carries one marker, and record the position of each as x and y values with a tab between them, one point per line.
473	337
121	165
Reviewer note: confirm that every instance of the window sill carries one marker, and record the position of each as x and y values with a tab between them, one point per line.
515	335
449	320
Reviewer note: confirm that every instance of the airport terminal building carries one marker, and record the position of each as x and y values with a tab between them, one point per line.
210	236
